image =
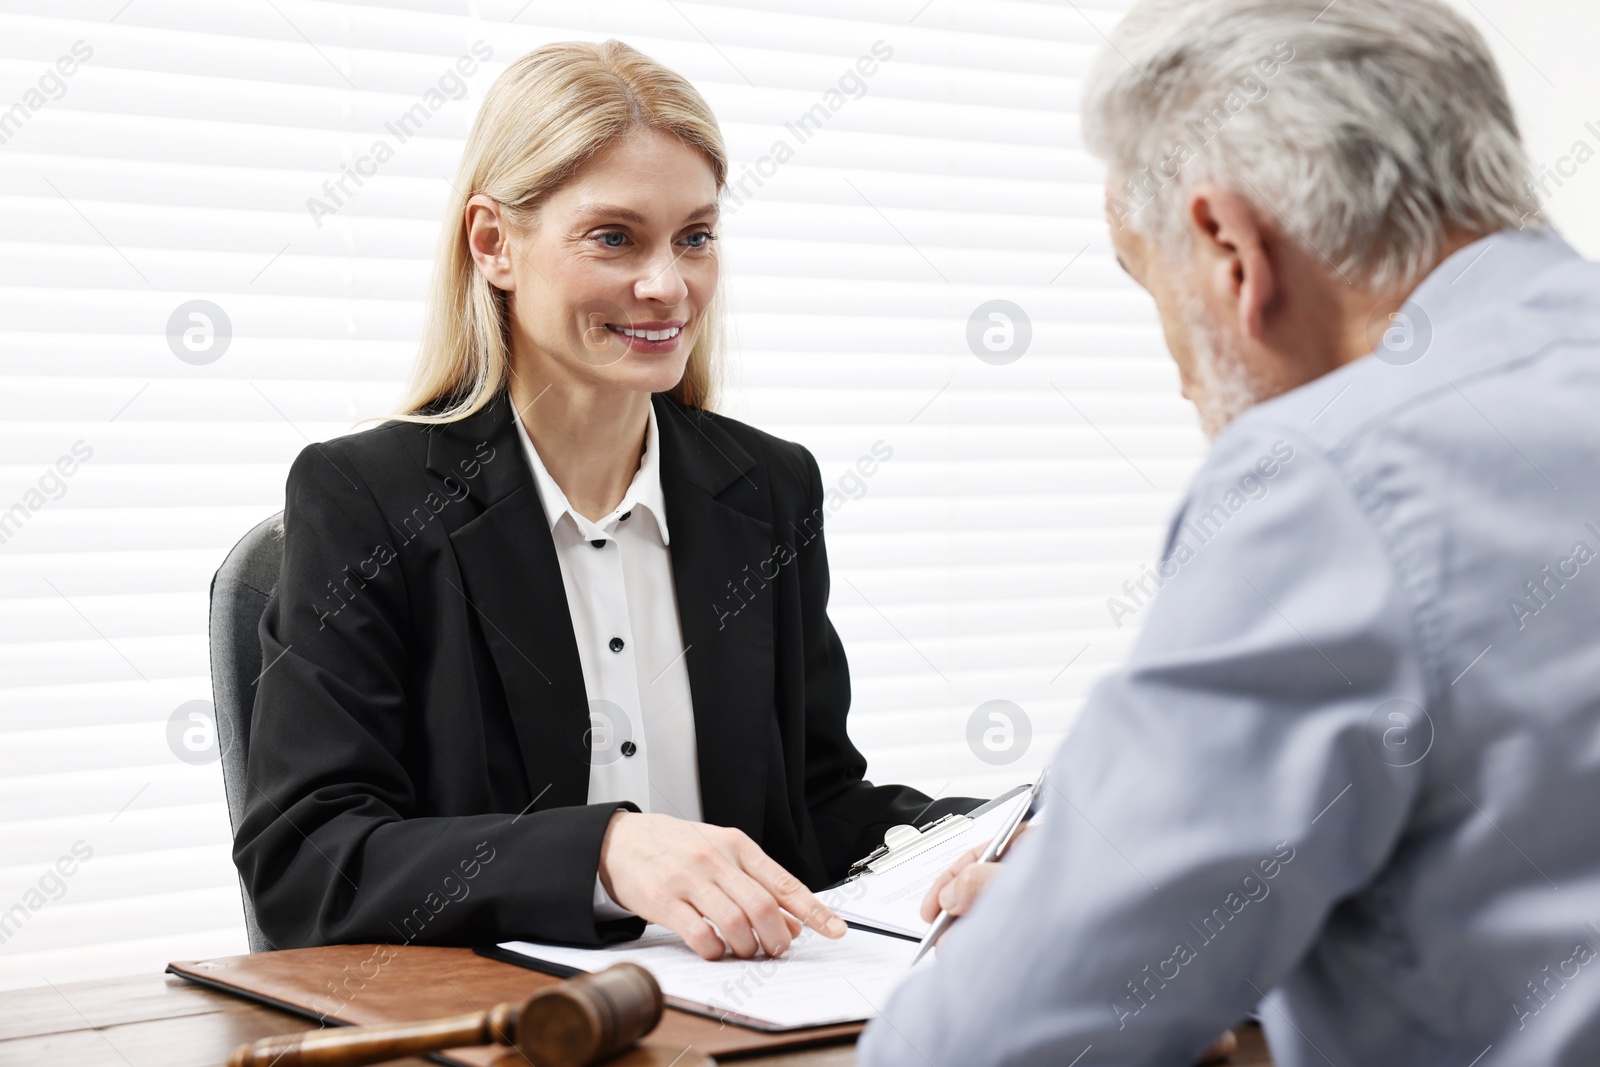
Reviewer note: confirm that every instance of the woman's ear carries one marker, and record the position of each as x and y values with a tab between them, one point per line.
488	240
1232	255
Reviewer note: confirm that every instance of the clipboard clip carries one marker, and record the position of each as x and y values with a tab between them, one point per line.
901	843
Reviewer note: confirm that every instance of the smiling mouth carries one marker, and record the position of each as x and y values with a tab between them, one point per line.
666	334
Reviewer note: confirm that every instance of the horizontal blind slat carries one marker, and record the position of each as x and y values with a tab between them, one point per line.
978	515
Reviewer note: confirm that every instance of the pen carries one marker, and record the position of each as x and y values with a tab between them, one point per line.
992	852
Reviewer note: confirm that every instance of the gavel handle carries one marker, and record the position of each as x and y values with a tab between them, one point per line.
355	1045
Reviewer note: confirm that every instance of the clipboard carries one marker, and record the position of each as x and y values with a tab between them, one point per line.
901	843
884	887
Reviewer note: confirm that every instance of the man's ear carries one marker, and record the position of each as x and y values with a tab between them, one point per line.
487	240
1232	254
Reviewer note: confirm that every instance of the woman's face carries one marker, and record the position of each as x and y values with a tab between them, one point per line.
609	284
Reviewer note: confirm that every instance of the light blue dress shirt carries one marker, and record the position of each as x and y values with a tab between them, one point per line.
1353	762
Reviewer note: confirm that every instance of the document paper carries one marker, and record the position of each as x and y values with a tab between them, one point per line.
818	982
890	900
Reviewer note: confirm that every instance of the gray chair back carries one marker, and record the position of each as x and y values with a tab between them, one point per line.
239	593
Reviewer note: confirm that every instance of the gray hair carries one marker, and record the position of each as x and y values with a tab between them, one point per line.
1370	128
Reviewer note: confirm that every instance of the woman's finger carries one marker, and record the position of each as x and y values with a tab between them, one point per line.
790	893
732	923
760	908
689	924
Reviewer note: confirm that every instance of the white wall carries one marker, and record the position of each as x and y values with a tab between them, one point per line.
1547	51
973	567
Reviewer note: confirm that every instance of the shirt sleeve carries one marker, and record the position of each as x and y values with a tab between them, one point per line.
1254	762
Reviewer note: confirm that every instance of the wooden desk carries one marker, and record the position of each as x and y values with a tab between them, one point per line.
159	1021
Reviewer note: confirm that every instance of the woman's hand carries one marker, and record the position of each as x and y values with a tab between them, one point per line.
679	874
958	888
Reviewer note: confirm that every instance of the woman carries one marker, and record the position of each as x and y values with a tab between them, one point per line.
549	655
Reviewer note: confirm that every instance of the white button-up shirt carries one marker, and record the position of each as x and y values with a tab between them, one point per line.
618	577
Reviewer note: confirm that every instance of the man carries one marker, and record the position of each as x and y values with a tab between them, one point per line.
1352	765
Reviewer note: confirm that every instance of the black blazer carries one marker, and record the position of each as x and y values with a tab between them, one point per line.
419	762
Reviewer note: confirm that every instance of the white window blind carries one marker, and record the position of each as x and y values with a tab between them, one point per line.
983	511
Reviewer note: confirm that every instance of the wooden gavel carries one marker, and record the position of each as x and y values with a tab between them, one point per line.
575	1024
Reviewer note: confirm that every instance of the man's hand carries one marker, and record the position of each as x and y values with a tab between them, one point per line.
958	888
681	874
1221	1048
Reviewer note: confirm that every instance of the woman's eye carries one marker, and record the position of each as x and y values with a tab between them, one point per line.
613	239
700	239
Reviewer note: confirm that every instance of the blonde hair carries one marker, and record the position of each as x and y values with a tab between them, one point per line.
545	116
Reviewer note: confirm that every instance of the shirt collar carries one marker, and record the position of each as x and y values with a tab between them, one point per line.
644	493
1489	269
1484	304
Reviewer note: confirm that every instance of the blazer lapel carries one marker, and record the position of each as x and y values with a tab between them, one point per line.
507	561
512	581
707	482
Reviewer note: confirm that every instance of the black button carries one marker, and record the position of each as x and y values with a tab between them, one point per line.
625	515
629	748
616	644
599	544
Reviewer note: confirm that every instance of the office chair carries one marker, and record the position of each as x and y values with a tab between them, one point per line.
239	593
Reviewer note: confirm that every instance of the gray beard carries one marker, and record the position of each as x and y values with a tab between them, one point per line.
1224	386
